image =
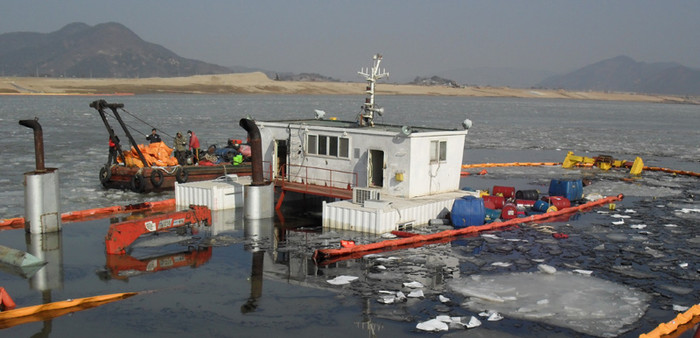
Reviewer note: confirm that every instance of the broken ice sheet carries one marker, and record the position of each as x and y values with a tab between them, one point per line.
582	303
432	325
502	264
342	280
638	226
680	308
620	222
546	268
473	322
413	285
443	299
688	210
493	316
416	294
620	216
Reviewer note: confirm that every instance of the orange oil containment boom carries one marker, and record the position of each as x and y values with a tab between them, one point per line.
322	256
677	326
511	164
43	312
96	213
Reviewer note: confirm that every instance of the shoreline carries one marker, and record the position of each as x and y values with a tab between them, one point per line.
259	83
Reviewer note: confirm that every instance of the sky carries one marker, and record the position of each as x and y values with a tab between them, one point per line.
416	38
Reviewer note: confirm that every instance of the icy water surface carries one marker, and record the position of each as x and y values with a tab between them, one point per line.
245	278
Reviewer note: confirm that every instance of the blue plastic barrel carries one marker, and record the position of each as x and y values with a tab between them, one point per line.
571	189
540	205
467	211
491	215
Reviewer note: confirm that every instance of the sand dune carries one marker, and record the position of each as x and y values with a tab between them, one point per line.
259	83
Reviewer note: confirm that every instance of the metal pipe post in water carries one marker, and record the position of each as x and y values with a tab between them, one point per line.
41	194
259	196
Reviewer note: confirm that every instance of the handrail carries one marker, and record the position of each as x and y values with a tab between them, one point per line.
329	181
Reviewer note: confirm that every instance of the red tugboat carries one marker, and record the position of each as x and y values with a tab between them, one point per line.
141	175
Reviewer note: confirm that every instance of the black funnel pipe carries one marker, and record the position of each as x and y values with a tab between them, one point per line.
255	150
38	141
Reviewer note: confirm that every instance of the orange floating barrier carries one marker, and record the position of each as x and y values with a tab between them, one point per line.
677	326
322	255
672	171
12	223
347	244
43	312
511	164
96	213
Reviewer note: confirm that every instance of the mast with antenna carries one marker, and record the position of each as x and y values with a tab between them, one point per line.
371	75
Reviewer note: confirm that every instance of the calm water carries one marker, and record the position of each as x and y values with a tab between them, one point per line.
256	278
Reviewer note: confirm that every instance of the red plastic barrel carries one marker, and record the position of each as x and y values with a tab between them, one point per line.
557	201
507	192
493	202
510	210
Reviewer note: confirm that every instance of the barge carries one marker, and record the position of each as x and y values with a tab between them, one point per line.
140	175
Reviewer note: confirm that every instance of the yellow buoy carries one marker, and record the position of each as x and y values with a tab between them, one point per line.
637	166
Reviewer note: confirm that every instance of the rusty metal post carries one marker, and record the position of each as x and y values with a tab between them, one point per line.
255	150
38	141
259	195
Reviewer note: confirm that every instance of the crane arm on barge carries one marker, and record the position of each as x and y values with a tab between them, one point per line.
100	105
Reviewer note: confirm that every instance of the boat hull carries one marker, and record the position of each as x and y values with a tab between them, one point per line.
144	180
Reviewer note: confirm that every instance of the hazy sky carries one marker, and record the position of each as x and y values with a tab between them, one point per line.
336	38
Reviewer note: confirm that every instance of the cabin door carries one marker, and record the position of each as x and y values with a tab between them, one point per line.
375	168
280	157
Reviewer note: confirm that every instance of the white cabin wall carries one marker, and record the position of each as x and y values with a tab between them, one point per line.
435	177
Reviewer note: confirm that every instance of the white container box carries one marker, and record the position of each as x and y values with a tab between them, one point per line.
216	194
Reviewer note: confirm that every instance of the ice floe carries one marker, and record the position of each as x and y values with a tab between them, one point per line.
582	303
342	280
432	325
416	294
413	285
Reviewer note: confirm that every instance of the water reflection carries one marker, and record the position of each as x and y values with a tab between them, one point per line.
125	266
48	247
256	231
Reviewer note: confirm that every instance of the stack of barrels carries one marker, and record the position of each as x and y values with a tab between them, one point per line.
506	203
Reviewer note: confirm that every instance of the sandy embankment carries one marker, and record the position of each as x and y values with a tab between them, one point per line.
259	83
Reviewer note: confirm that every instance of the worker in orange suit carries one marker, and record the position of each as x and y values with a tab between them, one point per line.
194	145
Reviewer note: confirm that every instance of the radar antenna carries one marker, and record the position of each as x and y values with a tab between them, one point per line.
371	75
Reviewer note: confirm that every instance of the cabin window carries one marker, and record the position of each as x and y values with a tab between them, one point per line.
325	145
322	145
438	151
312	144
344	148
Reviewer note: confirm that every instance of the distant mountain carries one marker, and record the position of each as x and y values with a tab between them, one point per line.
623	74
103	50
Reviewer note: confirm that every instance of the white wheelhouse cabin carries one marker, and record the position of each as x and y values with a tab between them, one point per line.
396	161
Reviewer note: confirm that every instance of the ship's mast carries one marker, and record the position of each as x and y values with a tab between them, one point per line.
371	75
